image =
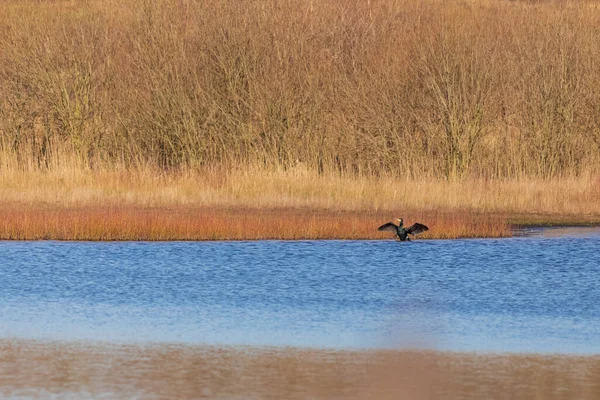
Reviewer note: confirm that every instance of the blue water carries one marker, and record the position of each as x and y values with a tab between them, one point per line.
537	293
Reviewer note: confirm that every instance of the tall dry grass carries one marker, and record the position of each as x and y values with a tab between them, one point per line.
185	223
573	197
293	204
406	88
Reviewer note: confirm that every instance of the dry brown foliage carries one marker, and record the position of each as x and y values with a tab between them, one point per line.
493	89
294	204
184	223
140	114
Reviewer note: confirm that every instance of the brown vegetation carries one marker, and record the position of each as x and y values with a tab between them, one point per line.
413	89
184	223
39	370
153	113
295	204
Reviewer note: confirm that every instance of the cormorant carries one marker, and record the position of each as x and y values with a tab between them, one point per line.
401	231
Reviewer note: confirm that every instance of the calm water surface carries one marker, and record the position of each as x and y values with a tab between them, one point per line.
539	293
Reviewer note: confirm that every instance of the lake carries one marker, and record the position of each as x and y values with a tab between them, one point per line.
536	293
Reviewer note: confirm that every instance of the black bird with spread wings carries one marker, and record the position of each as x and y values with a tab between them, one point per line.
401	231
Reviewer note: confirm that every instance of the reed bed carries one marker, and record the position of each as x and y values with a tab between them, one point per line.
73	370
183	223
294	204
575	197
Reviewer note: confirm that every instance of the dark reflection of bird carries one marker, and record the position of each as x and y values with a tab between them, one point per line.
401	231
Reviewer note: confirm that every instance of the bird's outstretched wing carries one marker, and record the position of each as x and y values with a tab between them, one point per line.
388	227
417	228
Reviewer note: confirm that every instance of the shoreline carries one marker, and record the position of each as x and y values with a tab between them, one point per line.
126	345
115	205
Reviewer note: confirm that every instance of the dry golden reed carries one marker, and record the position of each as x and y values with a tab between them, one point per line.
573	197
184	223
257	204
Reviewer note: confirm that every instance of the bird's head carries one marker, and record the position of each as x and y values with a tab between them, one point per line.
399	221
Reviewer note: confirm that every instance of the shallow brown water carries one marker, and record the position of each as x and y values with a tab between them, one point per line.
32	369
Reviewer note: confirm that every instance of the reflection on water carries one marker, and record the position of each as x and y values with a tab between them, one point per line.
531	294
560	231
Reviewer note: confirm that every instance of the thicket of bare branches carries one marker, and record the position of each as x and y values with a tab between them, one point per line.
404	88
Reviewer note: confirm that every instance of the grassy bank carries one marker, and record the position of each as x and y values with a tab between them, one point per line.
185	223
293	204
29	369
